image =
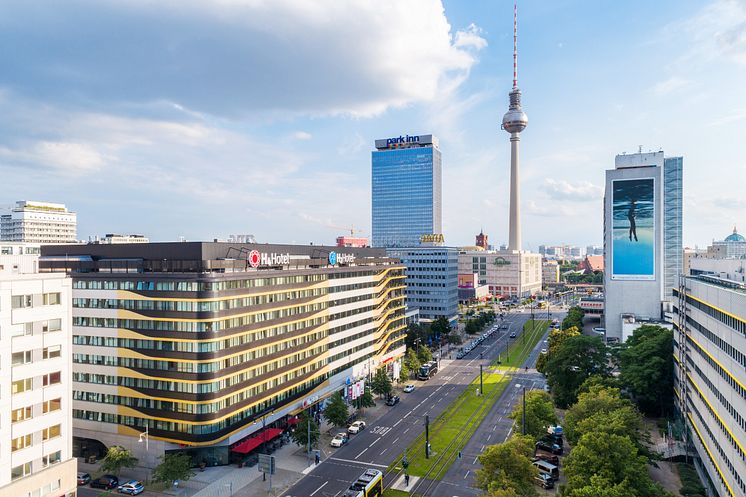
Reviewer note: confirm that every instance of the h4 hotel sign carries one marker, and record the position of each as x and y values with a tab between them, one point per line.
257	259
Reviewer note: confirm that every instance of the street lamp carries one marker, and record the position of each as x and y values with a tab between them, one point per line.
145	435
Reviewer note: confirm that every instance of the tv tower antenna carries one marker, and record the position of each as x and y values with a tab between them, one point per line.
515	44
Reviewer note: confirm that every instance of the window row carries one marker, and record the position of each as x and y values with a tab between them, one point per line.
24	441
27	412
26	384
23	301
195	286
27	329
26	356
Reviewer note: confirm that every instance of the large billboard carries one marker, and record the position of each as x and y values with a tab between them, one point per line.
633	229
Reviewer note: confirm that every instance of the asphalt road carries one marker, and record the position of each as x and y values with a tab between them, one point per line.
383	441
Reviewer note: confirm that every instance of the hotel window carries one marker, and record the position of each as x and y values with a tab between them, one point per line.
52	352
52	325
21	301
52	405
20	471
51	432
21	414
52	298
52	378
52	458
19	358
20	443
19	386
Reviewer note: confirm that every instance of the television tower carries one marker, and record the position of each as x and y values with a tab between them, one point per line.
515	121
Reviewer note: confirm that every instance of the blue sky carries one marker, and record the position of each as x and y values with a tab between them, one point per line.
202	119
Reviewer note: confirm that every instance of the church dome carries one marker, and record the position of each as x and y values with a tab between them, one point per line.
735	237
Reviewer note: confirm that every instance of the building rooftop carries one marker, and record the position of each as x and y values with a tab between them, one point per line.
735	236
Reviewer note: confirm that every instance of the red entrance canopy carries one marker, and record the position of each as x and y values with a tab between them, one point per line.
294	421
252	443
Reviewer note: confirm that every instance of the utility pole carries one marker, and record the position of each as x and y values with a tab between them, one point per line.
481	384
427	436
524	410
308	433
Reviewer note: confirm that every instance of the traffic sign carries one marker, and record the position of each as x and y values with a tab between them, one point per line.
266	464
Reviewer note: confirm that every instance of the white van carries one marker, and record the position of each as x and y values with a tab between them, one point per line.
547	468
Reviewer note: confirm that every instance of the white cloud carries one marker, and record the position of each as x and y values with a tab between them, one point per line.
239	57
302	135
581	191
670	85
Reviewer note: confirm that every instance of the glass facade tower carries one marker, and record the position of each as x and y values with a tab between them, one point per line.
673	193
406	190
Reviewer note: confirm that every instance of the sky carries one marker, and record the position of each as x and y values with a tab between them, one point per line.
204	119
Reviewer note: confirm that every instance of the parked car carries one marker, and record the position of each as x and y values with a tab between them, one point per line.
544	481
106	482
84	478
356	427
132	487
546	457
513	335
392	400
340	439
408	388
554	439
549	447
543	351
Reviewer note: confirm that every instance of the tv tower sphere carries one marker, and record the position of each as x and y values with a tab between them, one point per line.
515	120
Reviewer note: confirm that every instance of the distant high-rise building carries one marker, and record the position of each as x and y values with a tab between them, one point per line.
38	222
406	190
482	241
114	238
35	378
709	351
352	241
642	237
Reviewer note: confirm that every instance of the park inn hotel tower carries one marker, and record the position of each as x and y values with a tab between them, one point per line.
203	344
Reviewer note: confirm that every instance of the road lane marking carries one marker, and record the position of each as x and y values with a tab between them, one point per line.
361	452
395	440
359	462
406	430
488	437
322	486
475	459
467	474
374	442
395	424
384	450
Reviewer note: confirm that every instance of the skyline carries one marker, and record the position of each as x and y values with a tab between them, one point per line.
173	133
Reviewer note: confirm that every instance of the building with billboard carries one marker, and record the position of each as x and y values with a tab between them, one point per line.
35	379
203	345
710	374
38	222
432	280
406	190
642	237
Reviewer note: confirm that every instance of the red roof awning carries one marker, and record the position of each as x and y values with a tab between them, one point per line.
252	443
293	421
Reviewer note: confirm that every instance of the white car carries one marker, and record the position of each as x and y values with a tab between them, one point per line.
339	440
543	351
409	388
356	427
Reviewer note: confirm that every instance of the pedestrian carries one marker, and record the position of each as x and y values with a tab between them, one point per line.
406	480
318	457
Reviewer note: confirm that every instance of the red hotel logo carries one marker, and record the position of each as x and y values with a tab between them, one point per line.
254	258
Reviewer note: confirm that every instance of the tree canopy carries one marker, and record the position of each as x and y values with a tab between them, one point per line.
116	459
647	369
173	467
507	466
539	413
381	384
556	338
571	363
300	435
574	318
336	411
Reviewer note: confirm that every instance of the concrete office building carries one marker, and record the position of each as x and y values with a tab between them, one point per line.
406	190
642	238
432	280
19	258
550	273
710	372
204	344
506	273
38	222
35	382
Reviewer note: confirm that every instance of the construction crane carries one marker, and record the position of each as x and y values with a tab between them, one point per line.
351	229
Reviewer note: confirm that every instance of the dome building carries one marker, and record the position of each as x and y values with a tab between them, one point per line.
732	247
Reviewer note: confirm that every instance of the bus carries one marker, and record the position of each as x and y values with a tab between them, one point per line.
427	370
369	484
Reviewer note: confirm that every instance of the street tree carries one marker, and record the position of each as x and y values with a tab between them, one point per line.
568	366
424	354
539	413
440	327
404	372
556	337
647	369
508	466
116	459
381	384
366	399
173	467
300	435
598	399
336	411
613	459
453	338
600	487
412	361
574	318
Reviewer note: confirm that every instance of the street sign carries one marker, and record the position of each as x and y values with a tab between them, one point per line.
266	464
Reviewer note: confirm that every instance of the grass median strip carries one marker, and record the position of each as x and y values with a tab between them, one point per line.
520	348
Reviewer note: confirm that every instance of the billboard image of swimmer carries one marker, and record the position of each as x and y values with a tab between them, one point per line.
633	229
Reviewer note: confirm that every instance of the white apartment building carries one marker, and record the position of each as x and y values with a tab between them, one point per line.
35	384
39	222
507	273
710	373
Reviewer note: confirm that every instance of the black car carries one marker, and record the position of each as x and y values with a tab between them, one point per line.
513	335
549	447
392	400
554	439
106	482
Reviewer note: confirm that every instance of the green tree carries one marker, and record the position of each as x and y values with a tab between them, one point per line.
453	338
412	361
404	372
440	326
508	466
300	435
424	354
366	399
600	487
336	411
173	467
539	413
381	384
556	337
612	459
568	366
647	369
116	459
471	327
574	318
